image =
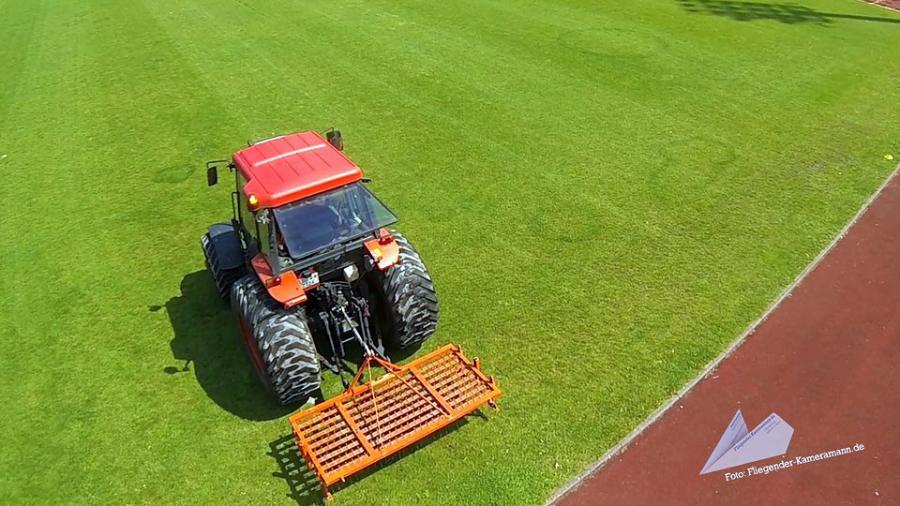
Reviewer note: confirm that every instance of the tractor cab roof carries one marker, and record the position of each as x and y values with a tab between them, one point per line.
285	169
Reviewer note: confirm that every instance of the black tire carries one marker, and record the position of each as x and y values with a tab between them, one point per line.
409	305
252	302
223	270
279	342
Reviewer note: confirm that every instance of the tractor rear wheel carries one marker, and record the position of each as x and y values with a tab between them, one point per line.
279	342
409	304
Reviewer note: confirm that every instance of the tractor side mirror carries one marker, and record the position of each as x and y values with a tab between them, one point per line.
212	175
334	138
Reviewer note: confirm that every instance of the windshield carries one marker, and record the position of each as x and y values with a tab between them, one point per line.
330	218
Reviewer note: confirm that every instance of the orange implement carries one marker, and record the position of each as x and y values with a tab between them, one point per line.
371	421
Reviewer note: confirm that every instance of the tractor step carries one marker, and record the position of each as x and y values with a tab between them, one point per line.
371	421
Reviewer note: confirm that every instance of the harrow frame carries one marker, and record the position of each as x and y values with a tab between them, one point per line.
371	421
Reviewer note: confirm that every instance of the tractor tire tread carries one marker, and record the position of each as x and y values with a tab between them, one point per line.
411	300
223	278
283	339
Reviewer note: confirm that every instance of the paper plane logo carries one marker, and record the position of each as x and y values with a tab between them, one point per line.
739	446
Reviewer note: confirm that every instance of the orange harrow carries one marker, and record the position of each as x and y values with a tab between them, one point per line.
371	421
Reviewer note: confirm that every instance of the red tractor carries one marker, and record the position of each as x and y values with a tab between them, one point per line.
313	270
309	252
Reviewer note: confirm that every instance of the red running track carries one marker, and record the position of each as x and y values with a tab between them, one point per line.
827	360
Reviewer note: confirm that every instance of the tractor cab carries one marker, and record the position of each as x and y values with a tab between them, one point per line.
300	202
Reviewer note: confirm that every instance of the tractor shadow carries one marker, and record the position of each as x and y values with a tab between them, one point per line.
304	487
207	341
787	13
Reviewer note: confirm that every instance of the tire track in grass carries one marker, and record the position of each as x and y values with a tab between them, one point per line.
41	128
85	120
18	26
221	65
159	114
44	127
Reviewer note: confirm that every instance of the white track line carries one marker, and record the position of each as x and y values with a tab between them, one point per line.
623	444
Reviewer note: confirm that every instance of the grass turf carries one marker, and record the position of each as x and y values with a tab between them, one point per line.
606	193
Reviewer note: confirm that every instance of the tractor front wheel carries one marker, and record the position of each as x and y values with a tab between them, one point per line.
279	342
224	259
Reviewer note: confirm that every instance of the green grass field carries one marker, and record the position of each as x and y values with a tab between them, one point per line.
607	193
